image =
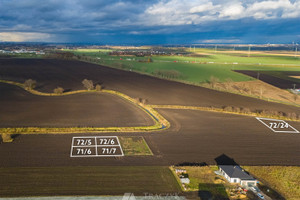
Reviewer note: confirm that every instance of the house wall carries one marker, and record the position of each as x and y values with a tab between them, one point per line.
235	180
246	183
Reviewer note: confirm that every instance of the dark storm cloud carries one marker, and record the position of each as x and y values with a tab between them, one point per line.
153	21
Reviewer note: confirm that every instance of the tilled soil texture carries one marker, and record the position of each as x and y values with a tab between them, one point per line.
69	74
195	137
19	108
272	80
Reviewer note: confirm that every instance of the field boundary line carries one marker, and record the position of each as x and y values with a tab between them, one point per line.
220	110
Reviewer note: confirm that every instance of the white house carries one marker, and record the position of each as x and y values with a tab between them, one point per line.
185	180
235	174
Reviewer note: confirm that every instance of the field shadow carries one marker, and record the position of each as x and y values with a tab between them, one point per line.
281	96
201	164
225	160
208	191
67	90
14	136
40	86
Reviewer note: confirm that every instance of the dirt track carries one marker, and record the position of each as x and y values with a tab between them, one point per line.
69	74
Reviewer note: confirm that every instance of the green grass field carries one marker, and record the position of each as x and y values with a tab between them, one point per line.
285	180
203	179
98	180
135	146
197	68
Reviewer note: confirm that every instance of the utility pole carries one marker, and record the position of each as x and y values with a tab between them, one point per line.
249	50
216	47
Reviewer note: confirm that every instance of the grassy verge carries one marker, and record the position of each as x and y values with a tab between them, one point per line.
230	110
100	180
285	180
135	146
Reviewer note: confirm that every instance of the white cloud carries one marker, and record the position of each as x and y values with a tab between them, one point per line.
272	9
203	8
175	12
232	11
23	37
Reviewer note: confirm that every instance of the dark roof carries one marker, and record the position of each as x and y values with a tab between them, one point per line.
235	171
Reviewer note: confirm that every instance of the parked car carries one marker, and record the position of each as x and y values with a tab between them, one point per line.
260	196
254	189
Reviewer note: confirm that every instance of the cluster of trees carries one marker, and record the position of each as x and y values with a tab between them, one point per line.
237	109
58	90
30	84
171	74
271	113
89	85
61	55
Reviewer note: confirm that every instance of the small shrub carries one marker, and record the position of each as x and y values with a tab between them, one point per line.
236	109
295	97
30	84
144	101
6	137
98	87
88	84
171	74
227	109
213	81
58	90
245	110
228	83
292	115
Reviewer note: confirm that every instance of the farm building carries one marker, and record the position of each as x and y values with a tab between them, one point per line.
235	174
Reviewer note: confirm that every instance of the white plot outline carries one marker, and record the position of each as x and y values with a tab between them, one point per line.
278	120
96	147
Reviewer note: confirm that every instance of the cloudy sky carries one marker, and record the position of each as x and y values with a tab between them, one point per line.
150	21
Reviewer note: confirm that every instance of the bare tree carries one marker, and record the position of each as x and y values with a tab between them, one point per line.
213	81
228	83
30	84
261	91
296	97
58	90
88	84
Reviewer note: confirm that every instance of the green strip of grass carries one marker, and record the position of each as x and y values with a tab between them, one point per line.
135	146
202	179
100	180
